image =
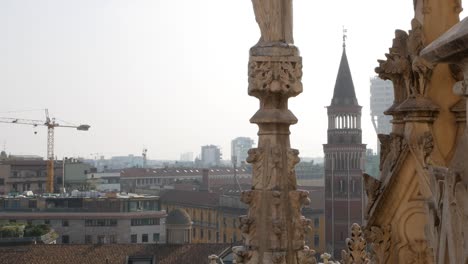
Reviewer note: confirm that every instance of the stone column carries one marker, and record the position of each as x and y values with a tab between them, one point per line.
274	229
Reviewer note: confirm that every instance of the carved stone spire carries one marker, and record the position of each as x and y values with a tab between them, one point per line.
273	231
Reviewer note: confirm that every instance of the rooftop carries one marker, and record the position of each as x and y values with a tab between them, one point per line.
108	253
203	199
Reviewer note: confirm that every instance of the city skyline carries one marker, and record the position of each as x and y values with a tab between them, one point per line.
148	74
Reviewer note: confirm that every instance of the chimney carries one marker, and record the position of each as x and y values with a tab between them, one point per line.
205	186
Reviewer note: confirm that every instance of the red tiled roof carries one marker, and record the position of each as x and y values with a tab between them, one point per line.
108	253
190	198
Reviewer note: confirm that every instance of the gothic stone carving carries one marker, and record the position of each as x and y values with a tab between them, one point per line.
380	243
393	147
422	69
213	259
274	18
256	157
241	255
372	187
326	259
417	253
275	77
356	248
307	256
293	159
397	66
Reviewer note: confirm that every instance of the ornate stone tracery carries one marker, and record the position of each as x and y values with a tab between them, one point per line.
356	247
416	188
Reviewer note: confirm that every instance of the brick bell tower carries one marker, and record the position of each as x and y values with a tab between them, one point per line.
344	161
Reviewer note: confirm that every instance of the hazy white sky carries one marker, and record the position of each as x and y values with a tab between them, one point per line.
172	75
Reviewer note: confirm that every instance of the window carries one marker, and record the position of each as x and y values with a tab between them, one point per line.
88	239
144	238
316	222
101	239
234	223
65	239
224	238
64	222
156	237
224	221
209	235
194	232
316	240
32	203
101	222
2	181
133	238
47	222
145	221
112	239
201	233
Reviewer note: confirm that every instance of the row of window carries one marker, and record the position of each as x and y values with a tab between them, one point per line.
144	238
152	181
201	235
101	222
102	239
145	221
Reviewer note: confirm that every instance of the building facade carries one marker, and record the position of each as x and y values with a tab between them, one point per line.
239	148
20	175
139	179
210	156
381	99
344	153
91	220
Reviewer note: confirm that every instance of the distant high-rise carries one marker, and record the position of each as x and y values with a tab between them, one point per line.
344	154
239	148
187	156
380	100
210	156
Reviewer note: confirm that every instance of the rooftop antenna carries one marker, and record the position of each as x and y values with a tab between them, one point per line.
145	150
234	164
345	36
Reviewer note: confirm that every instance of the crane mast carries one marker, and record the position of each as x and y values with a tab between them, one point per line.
50	124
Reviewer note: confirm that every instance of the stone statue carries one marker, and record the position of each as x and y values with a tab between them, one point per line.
274	18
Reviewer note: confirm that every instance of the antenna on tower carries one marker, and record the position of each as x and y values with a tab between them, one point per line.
345	36
145	150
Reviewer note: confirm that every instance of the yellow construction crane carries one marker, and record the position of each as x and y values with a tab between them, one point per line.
51	125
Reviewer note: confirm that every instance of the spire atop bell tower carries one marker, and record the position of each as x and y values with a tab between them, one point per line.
344	94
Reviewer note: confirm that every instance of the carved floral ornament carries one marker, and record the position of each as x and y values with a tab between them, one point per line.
275	77
380	243
409	72
356	247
